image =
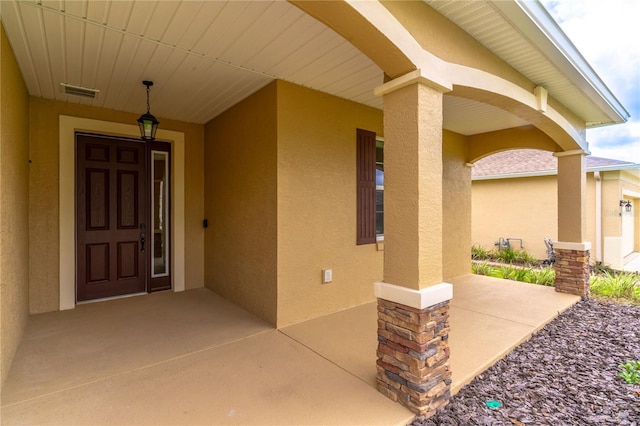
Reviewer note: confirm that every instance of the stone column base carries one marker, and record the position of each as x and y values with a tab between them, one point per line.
572	268
413	355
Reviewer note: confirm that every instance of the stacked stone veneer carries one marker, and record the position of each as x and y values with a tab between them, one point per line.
572	272
413	356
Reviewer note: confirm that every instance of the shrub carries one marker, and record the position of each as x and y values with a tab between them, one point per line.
630	372
625	285
480	268
506	255
543	276
480	253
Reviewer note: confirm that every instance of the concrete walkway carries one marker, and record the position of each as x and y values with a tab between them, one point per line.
194	358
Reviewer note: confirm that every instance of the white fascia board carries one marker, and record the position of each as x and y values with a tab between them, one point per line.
620	167
517	175
535	23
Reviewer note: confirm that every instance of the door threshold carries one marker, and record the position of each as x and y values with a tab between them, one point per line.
104	299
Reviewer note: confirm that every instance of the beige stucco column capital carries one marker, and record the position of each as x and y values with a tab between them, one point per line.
562	245
571	153
414	77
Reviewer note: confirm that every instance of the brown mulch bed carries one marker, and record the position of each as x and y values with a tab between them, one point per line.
566	374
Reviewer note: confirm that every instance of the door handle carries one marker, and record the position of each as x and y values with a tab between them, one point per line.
142	241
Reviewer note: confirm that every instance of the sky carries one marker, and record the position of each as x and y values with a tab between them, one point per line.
607	34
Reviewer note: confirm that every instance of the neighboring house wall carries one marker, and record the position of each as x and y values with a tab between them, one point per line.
14	206
44	194
616	186
241	204
525	208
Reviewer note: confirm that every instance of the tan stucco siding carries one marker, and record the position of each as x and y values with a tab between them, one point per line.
44	195
484	144
317	205
515	208
14	205
241	205
456	206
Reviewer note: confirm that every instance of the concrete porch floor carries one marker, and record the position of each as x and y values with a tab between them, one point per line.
194	358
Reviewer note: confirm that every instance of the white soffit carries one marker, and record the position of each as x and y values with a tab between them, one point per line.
204	56
508	30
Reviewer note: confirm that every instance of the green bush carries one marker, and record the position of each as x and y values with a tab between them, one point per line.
505	255
480	268
624	285
630	372
543	276
480	253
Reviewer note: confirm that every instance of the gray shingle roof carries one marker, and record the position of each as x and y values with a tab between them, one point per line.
531	161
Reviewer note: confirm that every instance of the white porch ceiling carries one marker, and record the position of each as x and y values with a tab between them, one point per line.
206	56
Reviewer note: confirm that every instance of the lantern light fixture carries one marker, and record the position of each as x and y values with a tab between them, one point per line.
147	122
626	204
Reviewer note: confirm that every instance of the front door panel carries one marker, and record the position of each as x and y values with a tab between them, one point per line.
111	212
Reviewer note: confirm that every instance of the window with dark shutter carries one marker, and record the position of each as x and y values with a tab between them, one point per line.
366	186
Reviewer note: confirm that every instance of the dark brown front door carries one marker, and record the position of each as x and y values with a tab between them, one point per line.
111	212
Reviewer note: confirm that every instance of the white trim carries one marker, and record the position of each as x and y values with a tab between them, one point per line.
409	79
418	299
553	172
630	194
152	226
66	198
572	246
570	153
598	214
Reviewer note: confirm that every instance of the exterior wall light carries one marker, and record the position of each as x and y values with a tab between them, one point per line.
147	122
626	204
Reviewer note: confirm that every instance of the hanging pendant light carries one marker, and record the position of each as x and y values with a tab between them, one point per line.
147	122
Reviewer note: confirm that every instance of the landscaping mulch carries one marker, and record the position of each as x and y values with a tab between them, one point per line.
566	374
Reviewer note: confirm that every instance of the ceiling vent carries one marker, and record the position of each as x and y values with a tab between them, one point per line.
69	89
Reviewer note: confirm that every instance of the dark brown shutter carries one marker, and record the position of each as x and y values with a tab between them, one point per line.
366	186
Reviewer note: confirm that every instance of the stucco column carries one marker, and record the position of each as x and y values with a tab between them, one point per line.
572	252
413	302
413	186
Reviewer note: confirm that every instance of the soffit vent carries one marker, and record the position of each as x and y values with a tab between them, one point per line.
69	89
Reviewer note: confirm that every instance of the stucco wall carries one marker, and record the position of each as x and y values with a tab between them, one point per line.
241	205
280	185
456	207
527	208
515	208
317	205
618	185
44	192
14	206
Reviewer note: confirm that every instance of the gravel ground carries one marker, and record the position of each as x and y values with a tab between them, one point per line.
566	374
